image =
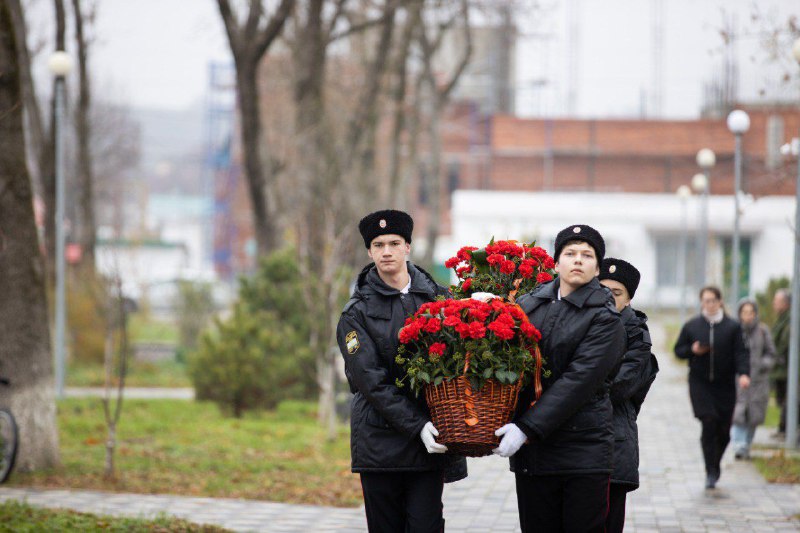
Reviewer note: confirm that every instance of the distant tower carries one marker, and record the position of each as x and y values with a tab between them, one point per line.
220	176
657	89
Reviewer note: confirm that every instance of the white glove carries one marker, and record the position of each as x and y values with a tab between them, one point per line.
511	440
483	296
427	435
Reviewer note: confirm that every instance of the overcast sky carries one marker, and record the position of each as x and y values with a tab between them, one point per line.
155	53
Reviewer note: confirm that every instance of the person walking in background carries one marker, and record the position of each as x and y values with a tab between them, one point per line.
780	335
392	440
713	344
629	388
751	402
562	447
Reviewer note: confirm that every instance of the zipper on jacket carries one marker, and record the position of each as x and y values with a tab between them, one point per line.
711	353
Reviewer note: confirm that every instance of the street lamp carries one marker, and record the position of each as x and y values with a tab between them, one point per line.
60	63
738	123
683	192
706	159
794	317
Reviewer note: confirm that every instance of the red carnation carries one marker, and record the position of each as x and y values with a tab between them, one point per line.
549	263
437	348
530	331
433	325
507	267
477	330
495	259
479	314
467	284
526	271
464	253
501	330
452	262
543	277
452	321
460	271
463	330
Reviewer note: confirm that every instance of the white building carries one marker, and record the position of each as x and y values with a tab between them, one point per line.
644	229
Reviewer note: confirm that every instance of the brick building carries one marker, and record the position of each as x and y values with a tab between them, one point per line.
506	153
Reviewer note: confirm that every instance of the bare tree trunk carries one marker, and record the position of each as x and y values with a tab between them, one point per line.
249	43
25	350
87	231
117	323
42	137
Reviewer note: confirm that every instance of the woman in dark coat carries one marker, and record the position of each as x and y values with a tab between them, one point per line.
751	403
712	342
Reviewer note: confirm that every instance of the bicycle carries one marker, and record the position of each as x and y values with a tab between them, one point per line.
9	439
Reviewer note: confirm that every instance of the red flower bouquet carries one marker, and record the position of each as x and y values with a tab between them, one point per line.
472	357
503	268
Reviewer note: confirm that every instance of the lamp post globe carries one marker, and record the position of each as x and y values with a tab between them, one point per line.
684	192
59	63
738	122
699	183
706	158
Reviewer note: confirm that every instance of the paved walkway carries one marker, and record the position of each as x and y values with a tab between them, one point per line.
671	497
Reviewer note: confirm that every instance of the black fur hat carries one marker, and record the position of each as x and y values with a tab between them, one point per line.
581	232
621	271
386	222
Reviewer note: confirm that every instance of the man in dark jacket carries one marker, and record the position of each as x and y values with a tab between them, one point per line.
713	344
629	388
562	471
780	334
392	441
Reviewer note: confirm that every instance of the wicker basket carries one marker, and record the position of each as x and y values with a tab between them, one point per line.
467	419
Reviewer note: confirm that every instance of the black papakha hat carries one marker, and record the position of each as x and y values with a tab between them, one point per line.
386	222
621	271
581	232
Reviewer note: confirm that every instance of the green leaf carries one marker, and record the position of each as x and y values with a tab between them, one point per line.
424	376
487	373
438	380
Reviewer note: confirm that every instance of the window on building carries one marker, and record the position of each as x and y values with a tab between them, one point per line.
668	256
453	176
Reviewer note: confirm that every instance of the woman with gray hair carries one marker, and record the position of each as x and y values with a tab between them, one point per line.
751	403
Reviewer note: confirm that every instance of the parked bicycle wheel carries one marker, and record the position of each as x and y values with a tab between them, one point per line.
8	443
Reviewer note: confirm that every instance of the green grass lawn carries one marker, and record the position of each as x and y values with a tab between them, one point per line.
146	329
20	517
189	448
140	374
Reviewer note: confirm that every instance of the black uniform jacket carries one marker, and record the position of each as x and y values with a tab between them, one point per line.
631	384
570	427
386	420
712	376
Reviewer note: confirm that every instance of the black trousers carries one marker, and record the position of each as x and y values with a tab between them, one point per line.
714	439
403	502
569	503
615	522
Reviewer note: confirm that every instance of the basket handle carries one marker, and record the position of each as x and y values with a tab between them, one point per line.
537	375
470	415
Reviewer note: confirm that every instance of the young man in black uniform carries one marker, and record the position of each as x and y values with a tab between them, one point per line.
392	441
562	472
629	388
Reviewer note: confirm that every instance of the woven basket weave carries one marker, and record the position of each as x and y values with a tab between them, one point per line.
467	419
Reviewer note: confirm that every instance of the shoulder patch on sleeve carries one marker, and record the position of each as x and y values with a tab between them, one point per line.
351	341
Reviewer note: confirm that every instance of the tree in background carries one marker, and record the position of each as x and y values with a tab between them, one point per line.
86	225
764	299
260	354
250	36
25	355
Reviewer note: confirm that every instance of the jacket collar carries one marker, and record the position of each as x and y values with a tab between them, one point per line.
375	290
